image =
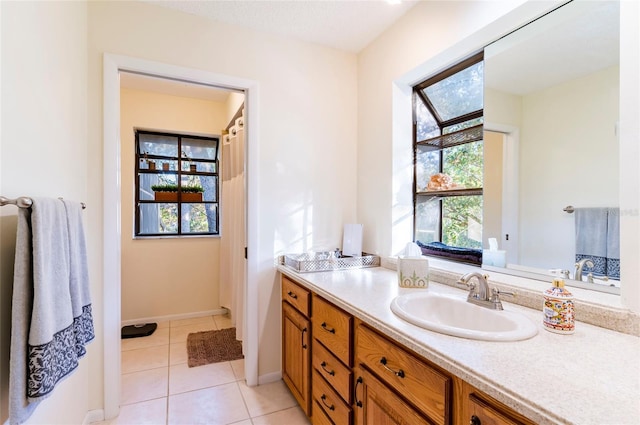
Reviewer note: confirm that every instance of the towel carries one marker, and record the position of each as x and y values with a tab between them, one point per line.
597	232
51	308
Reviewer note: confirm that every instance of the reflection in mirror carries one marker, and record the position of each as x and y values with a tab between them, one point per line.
551	108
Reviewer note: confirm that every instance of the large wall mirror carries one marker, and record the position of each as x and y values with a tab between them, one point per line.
551	105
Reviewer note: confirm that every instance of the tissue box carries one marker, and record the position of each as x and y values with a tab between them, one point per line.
497	258
413	272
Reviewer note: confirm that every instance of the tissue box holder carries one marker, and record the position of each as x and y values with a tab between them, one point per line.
413	272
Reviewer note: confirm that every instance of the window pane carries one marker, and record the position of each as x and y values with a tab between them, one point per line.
199	218
427	164
158	218
462	221
458	94
426	126
428	220
200	148
208	183
155	144
202	167
464	164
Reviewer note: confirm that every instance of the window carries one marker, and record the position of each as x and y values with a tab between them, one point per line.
176	184
448	162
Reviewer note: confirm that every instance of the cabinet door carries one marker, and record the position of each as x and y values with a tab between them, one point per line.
484	412
376	404
296	355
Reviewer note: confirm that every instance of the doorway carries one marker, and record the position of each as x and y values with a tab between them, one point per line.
112	230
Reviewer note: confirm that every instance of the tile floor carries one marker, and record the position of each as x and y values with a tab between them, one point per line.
159	388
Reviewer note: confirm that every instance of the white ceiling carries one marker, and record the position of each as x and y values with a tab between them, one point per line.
576	40
342	24
327	22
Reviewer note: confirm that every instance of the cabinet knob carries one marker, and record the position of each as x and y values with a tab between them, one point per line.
327	328
292	295
475	420
399	373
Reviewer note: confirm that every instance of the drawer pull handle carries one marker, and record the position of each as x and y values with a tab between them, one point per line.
330	407
328	329
292	295
355	391
475	420
323	365
304	346
399	373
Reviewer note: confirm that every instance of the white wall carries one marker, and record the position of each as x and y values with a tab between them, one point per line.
307	141
568	137
44	153
384	187
155	281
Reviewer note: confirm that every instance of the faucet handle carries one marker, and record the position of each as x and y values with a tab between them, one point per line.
496	294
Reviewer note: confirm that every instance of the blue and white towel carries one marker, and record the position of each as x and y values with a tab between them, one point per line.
598	239
51	306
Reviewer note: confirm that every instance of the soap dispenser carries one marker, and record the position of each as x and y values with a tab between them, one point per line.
558	313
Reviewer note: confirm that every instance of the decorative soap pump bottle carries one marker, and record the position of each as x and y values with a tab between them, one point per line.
558	314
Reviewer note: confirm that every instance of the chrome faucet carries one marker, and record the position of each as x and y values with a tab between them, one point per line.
580	265
479	294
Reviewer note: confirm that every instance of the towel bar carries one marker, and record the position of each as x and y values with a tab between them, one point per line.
24	202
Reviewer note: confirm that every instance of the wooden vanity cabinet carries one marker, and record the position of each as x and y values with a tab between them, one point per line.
296	342
342	371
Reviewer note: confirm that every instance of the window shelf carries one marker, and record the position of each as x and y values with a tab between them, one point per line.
449	193
468	135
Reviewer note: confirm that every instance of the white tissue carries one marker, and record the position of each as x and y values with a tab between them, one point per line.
412	250
493	256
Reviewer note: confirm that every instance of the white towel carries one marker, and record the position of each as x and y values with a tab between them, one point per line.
51	309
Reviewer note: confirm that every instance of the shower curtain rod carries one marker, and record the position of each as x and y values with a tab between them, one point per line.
23	202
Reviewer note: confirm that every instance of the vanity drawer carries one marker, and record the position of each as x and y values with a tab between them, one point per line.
422	384
330	402
338	375
296	295
333	328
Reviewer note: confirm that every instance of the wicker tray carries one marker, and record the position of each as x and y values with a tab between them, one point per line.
327	261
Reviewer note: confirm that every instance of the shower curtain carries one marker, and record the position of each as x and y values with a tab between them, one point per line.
232	229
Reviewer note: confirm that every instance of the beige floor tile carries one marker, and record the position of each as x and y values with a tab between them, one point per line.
245	422
159	337
152	412
223	321
178	353
291	416
183	378
267	398
179	333
144	385
192	321
217	405
145	358
238	369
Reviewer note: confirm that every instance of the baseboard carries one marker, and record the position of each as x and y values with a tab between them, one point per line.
174	317
93	416
269	378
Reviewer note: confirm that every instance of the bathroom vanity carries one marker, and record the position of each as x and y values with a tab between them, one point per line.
348	358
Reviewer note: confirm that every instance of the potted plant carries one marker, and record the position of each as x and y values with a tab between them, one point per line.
169	193
151	164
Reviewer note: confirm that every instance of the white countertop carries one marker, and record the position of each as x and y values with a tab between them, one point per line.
589	377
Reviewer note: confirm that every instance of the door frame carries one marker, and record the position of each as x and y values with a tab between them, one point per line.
112	65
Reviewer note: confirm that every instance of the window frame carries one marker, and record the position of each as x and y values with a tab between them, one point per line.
419	95
179	174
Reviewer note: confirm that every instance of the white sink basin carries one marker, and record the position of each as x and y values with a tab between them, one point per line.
455	316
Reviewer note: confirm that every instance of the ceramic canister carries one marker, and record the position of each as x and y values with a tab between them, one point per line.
558	314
